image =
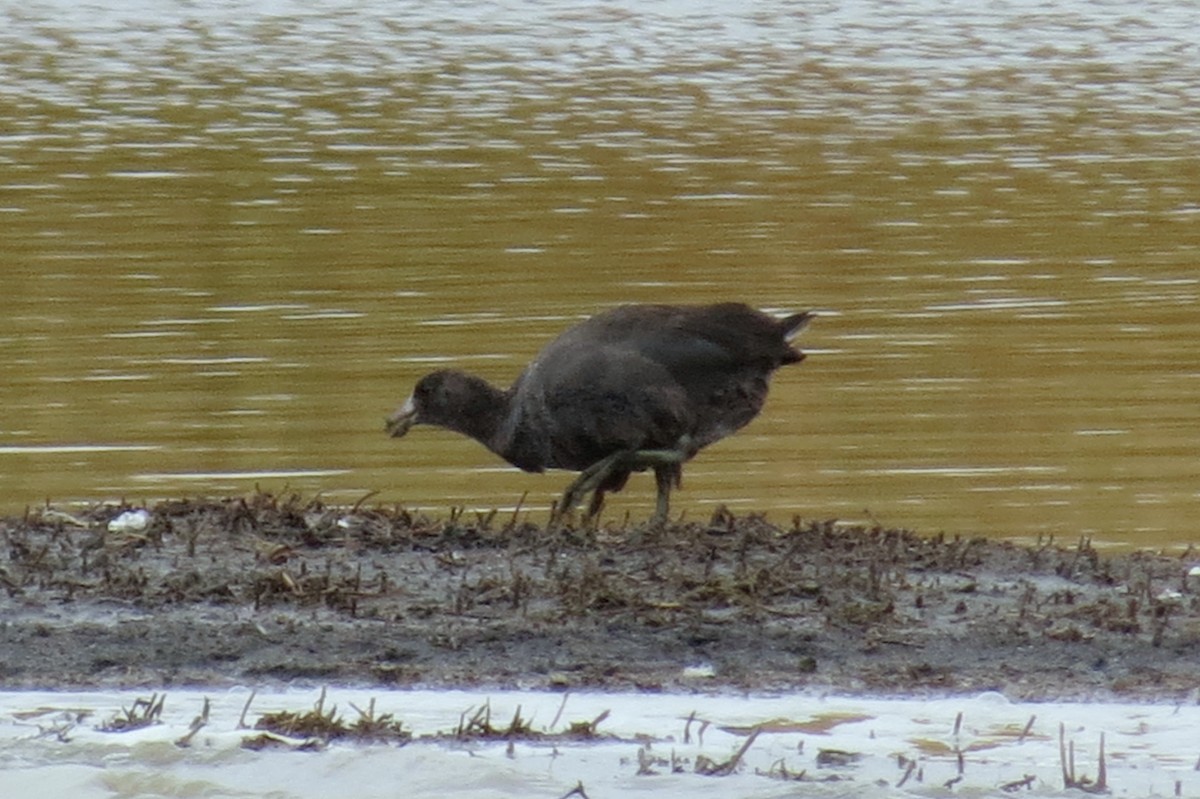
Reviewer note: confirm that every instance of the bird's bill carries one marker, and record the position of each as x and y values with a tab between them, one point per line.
402	420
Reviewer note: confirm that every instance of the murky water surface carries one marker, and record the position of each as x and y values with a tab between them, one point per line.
234	234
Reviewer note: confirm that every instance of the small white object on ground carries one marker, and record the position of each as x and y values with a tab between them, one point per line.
131	521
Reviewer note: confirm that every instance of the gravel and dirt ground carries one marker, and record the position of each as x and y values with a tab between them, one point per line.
271	589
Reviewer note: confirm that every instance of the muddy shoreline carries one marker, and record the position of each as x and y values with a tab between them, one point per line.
278	589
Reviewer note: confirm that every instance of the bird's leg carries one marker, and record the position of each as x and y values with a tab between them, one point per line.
594	507
668	472
589	479
665	478
667	465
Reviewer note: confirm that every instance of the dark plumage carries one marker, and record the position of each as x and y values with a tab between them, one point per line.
636	387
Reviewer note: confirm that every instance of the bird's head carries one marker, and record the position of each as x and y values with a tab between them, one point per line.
440	398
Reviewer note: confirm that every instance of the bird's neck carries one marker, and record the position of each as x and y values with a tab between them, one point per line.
481	415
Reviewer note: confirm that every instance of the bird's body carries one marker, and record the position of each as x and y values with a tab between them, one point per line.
635	387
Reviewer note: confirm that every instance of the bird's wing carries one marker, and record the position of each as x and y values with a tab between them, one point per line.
589	402
690	340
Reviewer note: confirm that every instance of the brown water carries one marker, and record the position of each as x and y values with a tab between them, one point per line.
234	235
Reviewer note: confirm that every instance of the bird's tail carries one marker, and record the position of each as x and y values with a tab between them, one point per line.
793	324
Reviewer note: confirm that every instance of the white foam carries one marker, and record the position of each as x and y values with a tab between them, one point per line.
1149	748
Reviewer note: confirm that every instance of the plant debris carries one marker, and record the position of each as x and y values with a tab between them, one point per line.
285	588
143	713
326	725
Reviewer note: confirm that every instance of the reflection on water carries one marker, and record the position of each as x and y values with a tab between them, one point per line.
234	236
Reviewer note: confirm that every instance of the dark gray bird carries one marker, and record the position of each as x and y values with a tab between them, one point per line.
636	387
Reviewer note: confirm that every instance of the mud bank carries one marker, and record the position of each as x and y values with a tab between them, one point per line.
265	588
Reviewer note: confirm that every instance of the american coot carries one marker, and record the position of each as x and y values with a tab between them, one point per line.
635	387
